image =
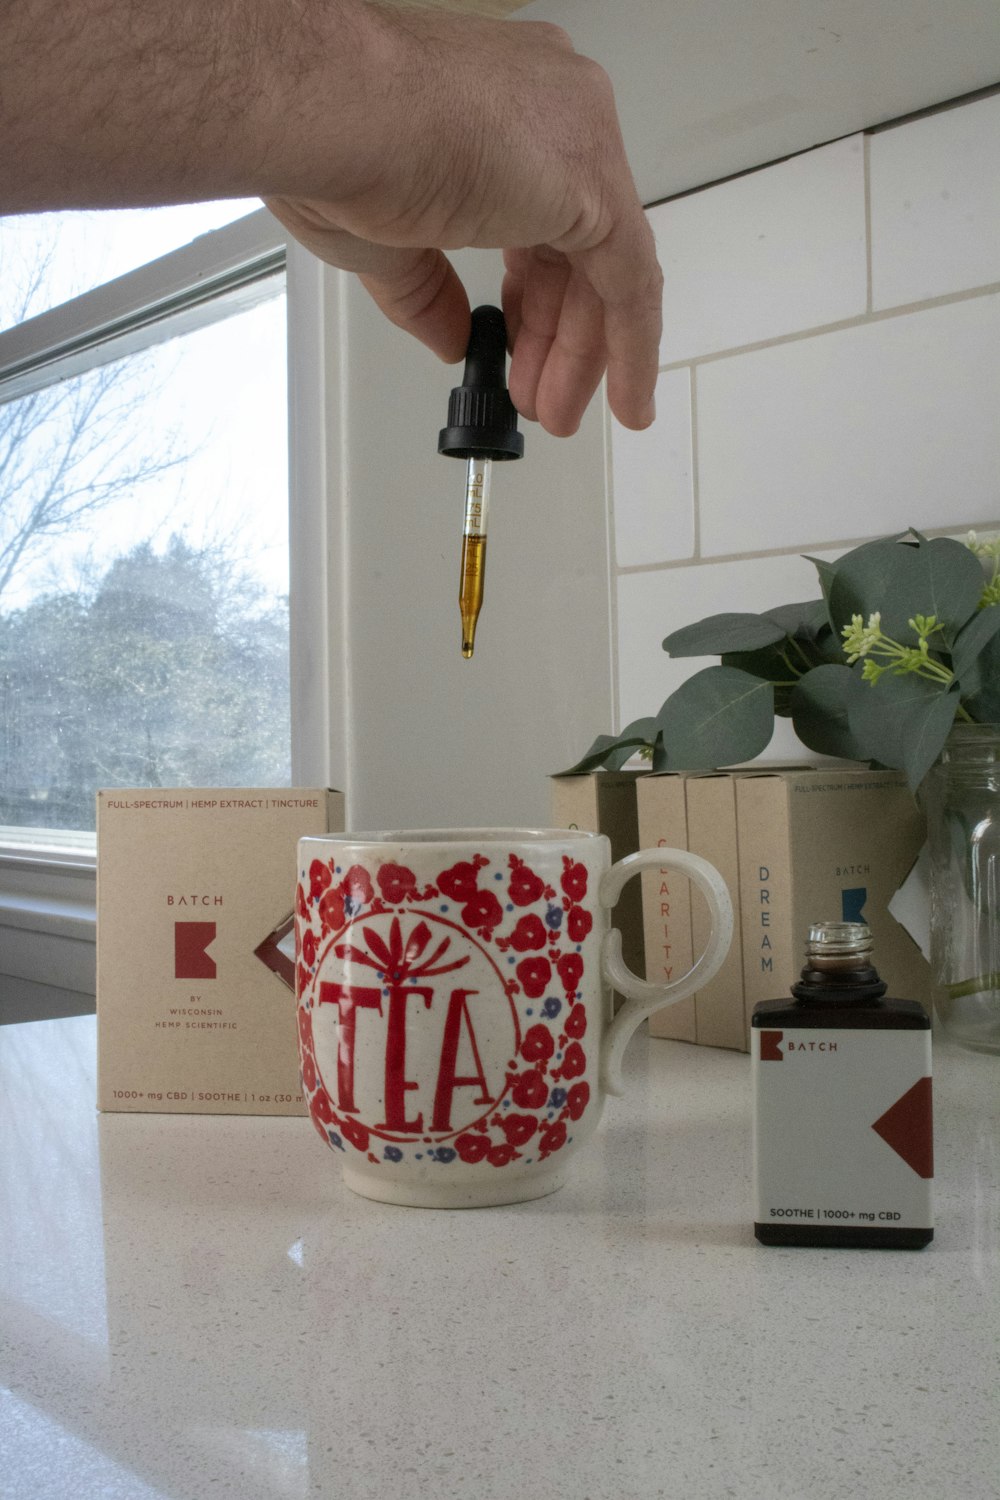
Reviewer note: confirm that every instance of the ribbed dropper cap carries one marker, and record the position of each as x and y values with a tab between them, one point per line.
482	419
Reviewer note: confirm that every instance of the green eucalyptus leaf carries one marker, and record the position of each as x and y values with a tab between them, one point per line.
829	647
613	750
903	722
769	662
820	704
940	577
827	573
639	735
720	633
984	702
828	570
955	577
594	757
970	643
719	716
804	621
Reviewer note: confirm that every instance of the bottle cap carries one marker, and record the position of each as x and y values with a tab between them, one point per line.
482	419
839	940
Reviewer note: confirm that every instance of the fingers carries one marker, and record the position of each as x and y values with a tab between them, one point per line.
625	275
564	333
531	296
558	345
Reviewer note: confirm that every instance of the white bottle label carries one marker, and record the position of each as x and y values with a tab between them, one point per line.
842	1127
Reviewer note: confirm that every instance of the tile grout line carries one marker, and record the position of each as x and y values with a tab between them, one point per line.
870	305
613	570
819	330
845	543
695	471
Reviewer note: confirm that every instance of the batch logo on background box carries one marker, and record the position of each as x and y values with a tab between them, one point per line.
191	943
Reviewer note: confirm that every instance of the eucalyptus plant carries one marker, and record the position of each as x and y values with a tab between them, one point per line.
904	641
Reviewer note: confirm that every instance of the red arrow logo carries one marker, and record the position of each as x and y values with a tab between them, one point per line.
907	1127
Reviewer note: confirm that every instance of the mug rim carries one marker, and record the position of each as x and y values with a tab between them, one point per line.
429	838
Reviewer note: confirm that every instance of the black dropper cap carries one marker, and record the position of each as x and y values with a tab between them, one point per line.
482	419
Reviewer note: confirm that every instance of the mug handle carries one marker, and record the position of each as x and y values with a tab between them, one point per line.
642	996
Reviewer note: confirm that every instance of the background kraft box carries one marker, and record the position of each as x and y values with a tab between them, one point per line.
605	802
825	845
195	998
795	845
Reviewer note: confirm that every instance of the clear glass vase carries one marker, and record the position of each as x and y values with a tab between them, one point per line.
963	824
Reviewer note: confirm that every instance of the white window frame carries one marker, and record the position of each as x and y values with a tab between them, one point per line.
48	893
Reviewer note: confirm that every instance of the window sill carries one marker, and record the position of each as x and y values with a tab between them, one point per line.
48	918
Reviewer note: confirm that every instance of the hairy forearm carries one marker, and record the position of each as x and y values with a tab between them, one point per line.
108	103
380	137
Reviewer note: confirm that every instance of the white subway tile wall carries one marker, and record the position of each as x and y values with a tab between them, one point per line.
765	254
935	204
876	426
651	482
834	321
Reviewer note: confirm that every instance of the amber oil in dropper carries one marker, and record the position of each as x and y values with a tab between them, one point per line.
473	572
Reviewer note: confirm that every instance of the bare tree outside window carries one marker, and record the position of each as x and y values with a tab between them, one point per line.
143	574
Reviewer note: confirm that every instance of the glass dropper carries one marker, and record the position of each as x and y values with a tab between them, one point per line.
482	428
477	503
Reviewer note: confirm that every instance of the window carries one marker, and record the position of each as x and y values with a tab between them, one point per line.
61	255
191	531
144	556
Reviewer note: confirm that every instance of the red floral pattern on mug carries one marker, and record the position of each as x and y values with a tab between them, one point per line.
519	1128
472	1148
533	975
574	879
576	1022
574	1061
461	882
538	1044
525	886
552	1137
530	1091
319	878
398	884
577	1100
570	968
578	923
482	911
529	933
378	947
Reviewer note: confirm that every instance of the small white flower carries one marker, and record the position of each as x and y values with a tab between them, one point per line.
988	547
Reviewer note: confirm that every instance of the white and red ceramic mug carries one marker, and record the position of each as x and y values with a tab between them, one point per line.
454	1003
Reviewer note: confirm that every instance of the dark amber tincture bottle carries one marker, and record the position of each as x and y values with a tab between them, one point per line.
843	1143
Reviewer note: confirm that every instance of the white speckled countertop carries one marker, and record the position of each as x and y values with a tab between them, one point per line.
195	1307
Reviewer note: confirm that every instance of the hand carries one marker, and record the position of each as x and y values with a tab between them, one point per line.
498	134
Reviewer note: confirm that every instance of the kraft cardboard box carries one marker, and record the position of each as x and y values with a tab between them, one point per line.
666	899
605	802
824	845
711	815
195	974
